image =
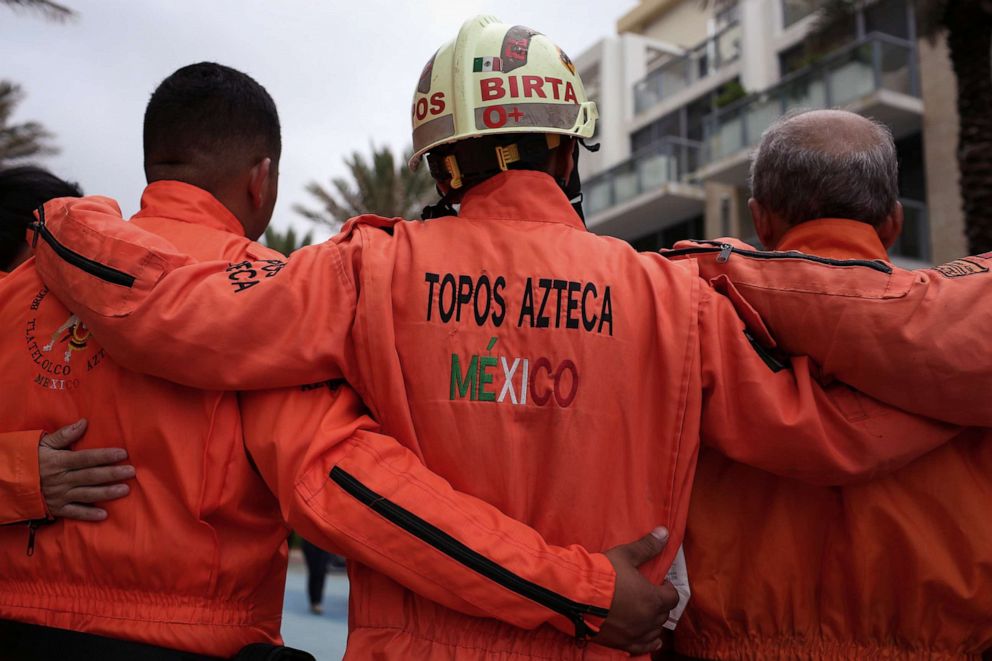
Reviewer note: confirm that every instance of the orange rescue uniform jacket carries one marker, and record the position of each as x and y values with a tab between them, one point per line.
20	478
195	558
896	568
558	375
871	324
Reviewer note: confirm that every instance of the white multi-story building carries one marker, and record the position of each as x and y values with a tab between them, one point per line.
685	90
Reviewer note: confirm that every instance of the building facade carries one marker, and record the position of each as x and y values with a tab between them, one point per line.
686	88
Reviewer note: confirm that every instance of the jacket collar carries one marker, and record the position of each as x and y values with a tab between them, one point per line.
837	238
520	195
186	203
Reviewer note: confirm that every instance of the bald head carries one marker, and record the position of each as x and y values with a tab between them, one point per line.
826	164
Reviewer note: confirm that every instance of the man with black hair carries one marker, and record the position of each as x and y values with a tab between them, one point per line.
215	128
194	561
22	190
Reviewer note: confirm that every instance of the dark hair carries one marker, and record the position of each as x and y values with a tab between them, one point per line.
211	109
22	190
804	173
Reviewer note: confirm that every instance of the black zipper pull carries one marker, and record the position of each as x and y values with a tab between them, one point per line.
32	530
582	632
36	226
725	251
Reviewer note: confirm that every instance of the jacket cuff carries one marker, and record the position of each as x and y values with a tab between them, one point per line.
597	590
21	498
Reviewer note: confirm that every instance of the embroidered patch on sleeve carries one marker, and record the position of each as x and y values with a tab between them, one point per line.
960	268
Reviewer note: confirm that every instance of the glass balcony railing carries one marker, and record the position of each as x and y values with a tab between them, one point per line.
879	61
794	11
682	71
667	161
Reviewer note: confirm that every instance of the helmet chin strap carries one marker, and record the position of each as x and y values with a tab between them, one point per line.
439	209
573	187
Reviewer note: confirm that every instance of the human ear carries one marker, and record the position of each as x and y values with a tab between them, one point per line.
258	182
890	228
762	223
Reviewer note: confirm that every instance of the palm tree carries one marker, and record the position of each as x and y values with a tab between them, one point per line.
380	185
968	27
286	242
19	141
47	8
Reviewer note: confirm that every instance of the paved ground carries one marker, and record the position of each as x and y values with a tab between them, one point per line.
324	635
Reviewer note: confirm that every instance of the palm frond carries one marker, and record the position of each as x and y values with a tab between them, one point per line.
379	183
24	140
47	8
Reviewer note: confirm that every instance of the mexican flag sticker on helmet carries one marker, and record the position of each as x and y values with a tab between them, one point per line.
497	78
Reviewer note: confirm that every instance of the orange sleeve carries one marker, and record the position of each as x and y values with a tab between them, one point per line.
777	417
345	487
914	339
251	324
20	479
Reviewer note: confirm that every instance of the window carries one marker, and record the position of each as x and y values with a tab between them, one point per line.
666	238
888	16
912	178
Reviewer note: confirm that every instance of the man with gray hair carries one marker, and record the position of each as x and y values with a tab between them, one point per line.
825	164
897	568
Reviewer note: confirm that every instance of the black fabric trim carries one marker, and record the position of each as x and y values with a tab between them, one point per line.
772	254
774	364
94	268
475	561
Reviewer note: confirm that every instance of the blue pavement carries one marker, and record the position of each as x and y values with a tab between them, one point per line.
325	635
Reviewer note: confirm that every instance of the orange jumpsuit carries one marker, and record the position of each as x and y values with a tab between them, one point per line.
896	568
20	479
559	375
871	324
195	557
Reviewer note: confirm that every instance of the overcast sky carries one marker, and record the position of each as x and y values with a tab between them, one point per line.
341	73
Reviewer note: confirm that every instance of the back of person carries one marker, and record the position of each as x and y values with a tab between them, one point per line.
197	588
897	568
525	336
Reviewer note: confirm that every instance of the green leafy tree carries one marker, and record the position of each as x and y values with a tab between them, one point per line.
286	242
381	184
28	139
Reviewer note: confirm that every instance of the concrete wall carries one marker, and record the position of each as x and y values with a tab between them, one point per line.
684	24
718	197
940	141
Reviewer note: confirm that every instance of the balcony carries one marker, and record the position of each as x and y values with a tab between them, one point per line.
677	74
875	76
646	192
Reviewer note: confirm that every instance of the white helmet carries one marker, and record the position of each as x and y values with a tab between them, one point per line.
493	79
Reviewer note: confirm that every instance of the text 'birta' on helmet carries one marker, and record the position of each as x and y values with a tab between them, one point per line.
495	79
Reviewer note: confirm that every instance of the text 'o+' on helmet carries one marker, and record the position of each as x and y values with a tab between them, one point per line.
495	79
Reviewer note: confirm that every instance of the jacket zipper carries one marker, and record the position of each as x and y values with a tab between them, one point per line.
94	268
475	561
33	526
726	249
